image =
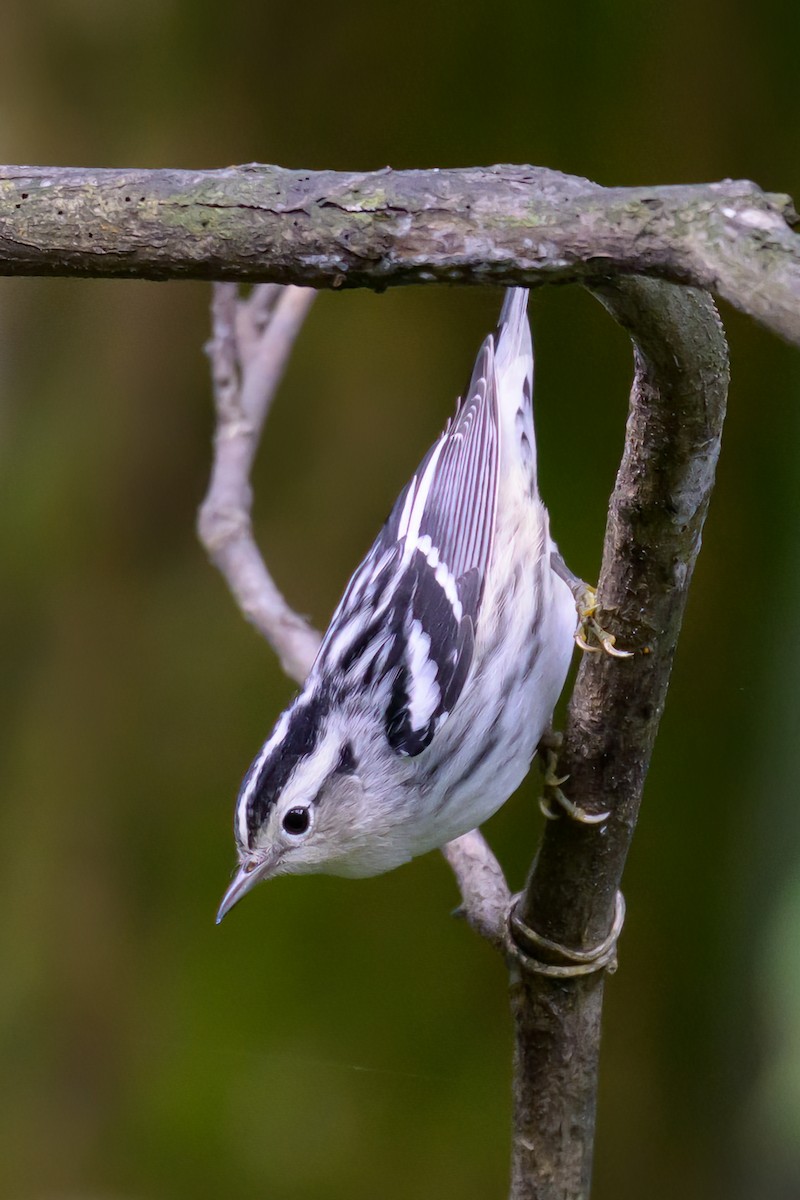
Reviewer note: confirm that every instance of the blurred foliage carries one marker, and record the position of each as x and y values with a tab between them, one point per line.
335	1038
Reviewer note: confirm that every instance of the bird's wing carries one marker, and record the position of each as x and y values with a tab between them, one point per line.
445	522
411	609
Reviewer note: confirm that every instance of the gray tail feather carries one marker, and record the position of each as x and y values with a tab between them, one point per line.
513	336
513	345
514	374
515	304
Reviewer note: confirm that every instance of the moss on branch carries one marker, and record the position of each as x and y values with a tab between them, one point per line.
500	225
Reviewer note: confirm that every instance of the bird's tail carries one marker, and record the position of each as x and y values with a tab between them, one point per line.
513	361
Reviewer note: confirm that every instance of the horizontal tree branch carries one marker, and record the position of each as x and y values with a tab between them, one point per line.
502	224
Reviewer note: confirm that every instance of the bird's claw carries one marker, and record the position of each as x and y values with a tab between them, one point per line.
589	626
554	796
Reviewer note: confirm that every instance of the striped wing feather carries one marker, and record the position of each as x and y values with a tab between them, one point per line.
411	609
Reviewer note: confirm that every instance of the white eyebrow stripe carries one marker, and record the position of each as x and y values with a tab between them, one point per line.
255	774
241	821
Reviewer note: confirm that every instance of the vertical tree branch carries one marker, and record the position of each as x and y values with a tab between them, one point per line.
652	539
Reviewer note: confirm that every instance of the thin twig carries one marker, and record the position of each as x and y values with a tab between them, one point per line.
484	891
249	350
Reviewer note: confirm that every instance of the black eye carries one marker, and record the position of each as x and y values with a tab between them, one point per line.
296	820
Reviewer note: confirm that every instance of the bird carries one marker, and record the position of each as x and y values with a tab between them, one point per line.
443	661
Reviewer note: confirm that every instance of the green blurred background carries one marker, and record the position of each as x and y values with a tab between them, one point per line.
336	1038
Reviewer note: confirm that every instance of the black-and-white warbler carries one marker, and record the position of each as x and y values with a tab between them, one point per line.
442	664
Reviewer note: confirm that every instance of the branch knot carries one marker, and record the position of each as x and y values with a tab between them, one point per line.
219	526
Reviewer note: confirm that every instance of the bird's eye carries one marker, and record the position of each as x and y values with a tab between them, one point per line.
296	820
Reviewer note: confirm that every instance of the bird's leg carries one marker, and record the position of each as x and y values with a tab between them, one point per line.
549	746
586	605
589	626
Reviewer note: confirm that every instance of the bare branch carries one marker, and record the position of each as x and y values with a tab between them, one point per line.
652	540
249	349
502	224
484	891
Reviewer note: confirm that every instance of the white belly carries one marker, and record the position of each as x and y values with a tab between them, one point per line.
484	751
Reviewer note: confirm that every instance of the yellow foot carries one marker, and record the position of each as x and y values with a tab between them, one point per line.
554	796
588	626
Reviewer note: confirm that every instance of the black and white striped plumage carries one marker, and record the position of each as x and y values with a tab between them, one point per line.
442	663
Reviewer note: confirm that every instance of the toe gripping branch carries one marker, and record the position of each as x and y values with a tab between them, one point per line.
553	795
590	627
590	634
553	799
554	803
539	955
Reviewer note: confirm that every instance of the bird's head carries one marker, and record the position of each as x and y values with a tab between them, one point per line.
300	806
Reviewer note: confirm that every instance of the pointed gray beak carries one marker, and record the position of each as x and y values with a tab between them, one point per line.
249	874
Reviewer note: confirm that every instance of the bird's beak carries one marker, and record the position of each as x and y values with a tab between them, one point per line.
249	874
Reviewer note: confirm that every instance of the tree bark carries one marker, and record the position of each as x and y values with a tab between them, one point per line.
498	225
655	521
